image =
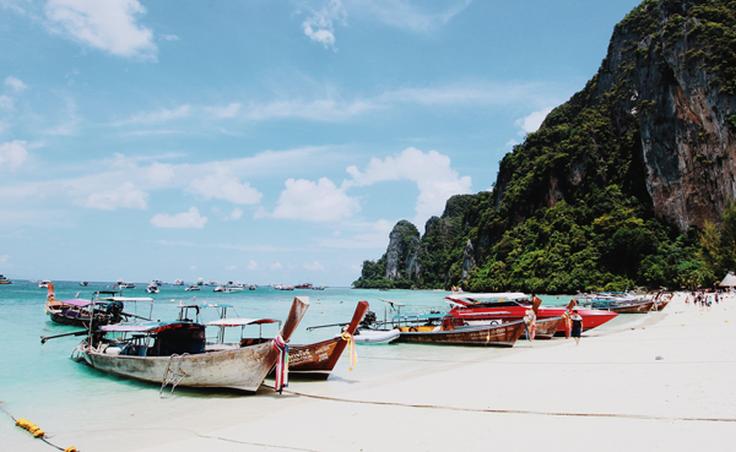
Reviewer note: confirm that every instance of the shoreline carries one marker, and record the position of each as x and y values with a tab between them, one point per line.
422	397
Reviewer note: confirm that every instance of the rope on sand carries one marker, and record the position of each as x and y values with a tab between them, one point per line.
515	411
36	431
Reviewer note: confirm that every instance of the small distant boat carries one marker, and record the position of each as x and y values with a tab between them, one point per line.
120	284
83	283
318	288
304	286
283	287
252	287
227	289
44	284
153	289
179	282
176	353
192	288
5	280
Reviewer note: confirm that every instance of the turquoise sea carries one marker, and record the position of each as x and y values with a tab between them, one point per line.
39	380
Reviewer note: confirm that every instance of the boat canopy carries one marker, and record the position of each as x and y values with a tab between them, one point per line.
129	299
240	321
147	327
78	302
481	297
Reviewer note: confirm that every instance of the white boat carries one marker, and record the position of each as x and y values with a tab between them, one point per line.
227	289
175	353
192	288
120	284
375	337
153	289
44	284
178	282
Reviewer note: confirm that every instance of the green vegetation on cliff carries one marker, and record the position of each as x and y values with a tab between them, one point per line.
580	205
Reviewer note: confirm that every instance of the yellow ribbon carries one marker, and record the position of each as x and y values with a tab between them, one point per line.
351	349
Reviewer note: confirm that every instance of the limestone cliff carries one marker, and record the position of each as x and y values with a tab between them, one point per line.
610	188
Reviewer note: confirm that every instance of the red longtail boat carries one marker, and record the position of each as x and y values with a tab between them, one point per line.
473	308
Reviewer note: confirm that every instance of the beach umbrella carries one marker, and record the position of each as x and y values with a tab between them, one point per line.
729	280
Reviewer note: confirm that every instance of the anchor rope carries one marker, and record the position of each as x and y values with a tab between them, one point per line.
514	411
35	430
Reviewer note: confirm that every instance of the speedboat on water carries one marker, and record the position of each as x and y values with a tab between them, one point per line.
153	289
83	283
227	289
178	282
192	288
482	308
44	284
5	280
120	284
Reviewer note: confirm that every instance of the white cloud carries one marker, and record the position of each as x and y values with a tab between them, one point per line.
156	116
160	174
251	265
190	219
225	186
320	25
109	25
15	84
6	102
430	171
318	201
531	122
414	16
13	154
125	196
314	266
361	235
230	110
276	265
235	214
169	37
327	109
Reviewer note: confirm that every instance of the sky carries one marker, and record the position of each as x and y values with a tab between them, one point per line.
263	141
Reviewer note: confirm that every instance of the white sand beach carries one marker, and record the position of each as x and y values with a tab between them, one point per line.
660	381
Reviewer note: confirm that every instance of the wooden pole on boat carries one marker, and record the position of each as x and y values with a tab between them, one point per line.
74	333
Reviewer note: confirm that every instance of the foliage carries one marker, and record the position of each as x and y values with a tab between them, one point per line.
570	209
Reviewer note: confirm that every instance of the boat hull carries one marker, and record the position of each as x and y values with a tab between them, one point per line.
318	359
592	318
547	328
504	335
637	308
241	368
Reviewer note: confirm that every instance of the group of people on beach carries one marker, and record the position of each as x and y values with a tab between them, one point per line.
573	320
705	298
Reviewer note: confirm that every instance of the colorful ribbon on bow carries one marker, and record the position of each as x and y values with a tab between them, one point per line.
282	364
351	349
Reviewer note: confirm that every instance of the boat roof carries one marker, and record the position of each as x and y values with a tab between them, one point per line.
498	296
240	321
75	302
128	299
146	327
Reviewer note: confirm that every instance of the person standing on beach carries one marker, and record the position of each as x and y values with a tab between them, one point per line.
577	326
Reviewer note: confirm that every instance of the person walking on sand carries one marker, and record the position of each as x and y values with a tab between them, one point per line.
530	320
577	326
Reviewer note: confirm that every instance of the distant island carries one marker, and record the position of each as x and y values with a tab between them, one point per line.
629	183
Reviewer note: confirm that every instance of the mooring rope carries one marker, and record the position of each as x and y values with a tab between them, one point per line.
36	431
513	411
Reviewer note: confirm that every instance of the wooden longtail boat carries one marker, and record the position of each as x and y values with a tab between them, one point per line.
178	355
547	327
105	308
504	335
318	359
633	308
